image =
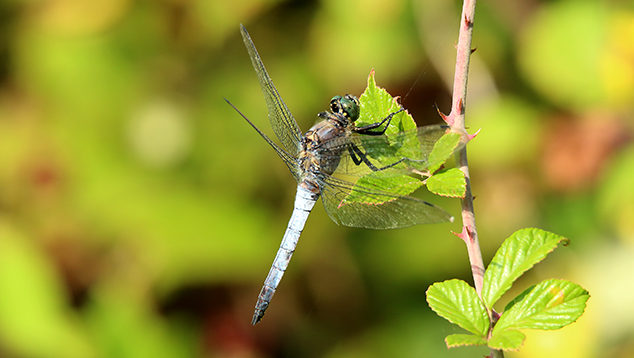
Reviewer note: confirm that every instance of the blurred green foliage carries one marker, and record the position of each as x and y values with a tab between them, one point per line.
139	214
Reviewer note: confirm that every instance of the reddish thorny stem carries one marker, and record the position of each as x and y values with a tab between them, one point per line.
456	119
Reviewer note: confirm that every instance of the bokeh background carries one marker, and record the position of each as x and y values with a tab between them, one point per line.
139	214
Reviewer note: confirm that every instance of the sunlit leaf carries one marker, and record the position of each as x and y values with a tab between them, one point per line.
552	304
404	147
443	149
507	340
395	185
451	183
518	253
459	303
377	104
455	340
518	298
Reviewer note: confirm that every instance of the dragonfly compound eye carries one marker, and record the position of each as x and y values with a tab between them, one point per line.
335	104
350	107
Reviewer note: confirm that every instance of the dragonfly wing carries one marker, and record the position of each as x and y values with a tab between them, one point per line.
290	161
393	211
398	153
282	121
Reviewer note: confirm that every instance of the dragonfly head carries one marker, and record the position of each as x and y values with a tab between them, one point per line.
347	106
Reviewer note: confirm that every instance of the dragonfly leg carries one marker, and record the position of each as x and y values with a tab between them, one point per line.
359	157
367	130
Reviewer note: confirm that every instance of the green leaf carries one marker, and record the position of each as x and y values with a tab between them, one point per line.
518	253
459	303
552	304
377	104
409	150
518	298
443	149
394	185
507	340
451	183
455	340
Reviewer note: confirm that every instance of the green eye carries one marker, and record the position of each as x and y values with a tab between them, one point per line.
347	106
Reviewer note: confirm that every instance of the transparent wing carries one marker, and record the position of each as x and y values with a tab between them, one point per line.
398	153
282	121
394	212
290	161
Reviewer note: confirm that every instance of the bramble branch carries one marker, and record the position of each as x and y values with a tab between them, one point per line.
456	119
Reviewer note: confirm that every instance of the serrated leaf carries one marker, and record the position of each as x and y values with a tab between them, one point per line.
507	340
402	135
377	103
408	150
443	149
552	304
395	185
518	298
451	183
518	253
456	340
459	303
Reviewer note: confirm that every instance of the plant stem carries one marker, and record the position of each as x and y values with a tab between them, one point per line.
456	119
496	354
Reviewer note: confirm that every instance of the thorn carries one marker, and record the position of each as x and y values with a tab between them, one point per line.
444	116
471	136
470	235
474	49
460	107
463	235
468	23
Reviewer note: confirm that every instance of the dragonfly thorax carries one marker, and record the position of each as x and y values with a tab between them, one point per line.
326	130
337	123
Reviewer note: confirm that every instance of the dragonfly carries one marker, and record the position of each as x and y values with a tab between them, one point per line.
333	147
